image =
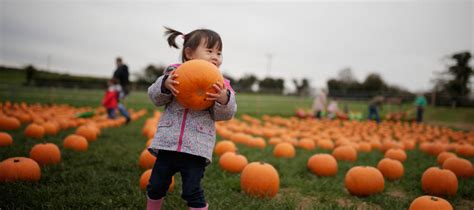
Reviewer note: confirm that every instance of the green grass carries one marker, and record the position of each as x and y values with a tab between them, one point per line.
107	175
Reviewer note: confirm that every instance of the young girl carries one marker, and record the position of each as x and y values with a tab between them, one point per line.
185	138
111	98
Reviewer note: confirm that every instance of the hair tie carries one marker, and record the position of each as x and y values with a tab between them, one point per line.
183	36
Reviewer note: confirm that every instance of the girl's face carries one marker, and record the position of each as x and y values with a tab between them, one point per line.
212	55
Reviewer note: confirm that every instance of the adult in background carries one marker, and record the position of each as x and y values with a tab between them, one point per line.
121	75
420	103
319	103
374	106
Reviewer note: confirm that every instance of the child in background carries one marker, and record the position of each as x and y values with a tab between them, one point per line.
333	108
185	139
111	98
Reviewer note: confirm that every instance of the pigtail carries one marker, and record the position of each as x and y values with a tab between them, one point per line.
172	34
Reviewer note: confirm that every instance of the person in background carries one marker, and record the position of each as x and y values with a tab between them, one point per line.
121	75
333	108
374	106
111	98
319	104
420	103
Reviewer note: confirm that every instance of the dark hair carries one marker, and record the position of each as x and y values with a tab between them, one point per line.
118	59
193	39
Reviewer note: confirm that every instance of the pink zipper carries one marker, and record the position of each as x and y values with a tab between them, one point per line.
183	125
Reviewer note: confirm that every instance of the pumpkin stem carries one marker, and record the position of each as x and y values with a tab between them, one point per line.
16	161
434	198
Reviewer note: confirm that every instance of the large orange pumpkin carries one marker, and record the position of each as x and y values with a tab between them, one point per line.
322	165
196	77
346	152
260	179
396	154
51	128
459	166
9	123
76	143
5	139
427	202
306	144
147	160
391	169
443	156
325	144
46	154
232	162
19	169
224	146
364	181
34	131
145	179
285	150
87	132
435	181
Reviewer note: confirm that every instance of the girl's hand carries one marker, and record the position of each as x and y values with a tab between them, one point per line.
220	96
170	83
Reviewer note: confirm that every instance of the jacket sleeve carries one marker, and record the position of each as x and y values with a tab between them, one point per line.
220	112
156	93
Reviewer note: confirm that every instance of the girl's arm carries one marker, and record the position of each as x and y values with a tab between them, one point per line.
157	92
220	112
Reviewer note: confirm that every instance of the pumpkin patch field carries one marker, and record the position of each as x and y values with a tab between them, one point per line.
51	158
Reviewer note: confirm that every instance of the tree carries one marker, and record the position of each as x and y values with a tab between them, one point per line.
346	75
271	85
302	88
461	73
374	82
245	83
149	75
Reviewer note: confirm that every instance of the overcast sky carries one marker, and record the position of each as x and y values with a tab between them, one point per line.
404	41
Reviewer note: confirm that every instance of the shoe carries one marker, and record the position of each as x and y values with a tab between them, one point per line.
203	208
153	204
127	120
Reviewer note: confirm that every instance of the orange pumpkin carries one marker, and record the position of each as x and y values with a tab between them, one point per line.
396	154
364	181
147	160
145	178
5	139
19	169
224	146
260	180
232	162
9	123
34	131
391	169
87	132
46	154
325	144
306	144
196	77
284	150
365	147
465	150
322	165
427	202
347	153
459	166
435	181
51	128
444	156
76	143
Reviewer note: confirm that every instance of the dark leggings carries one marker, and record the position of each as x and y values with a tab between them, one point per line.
192	170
